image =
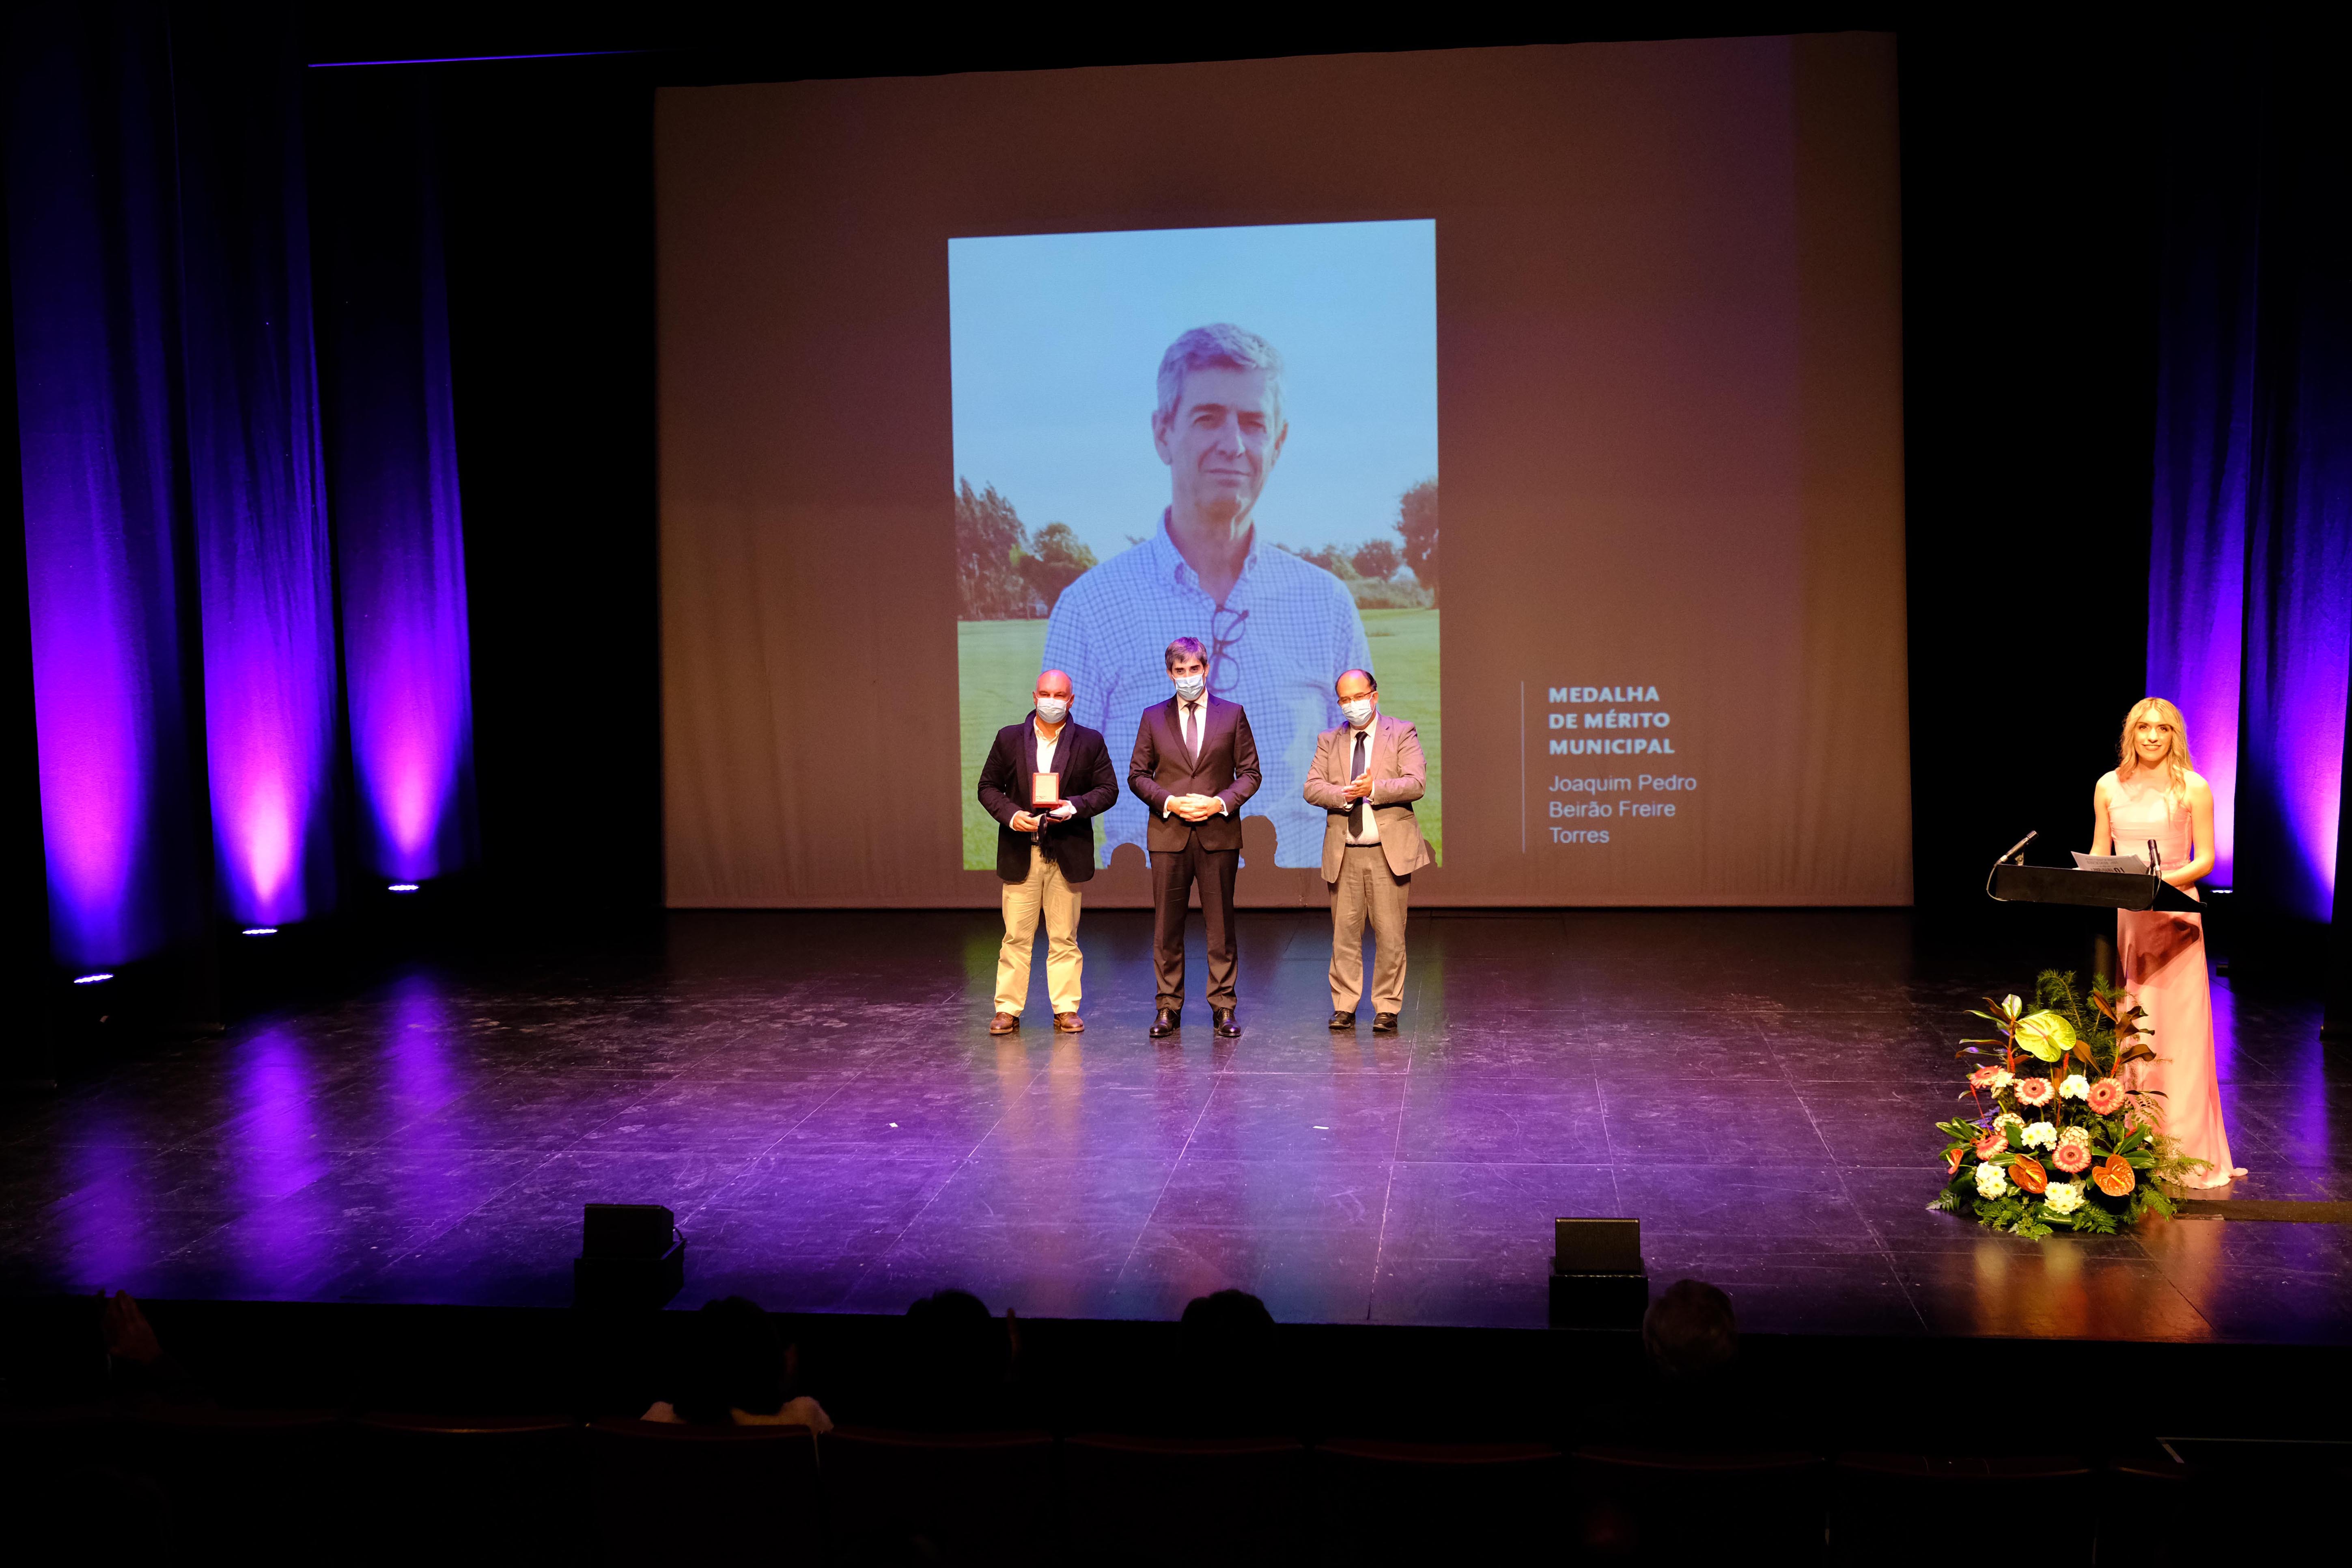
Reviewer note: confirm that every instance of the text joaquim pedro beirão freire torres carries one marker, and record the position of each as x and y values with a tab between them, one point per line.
1607	763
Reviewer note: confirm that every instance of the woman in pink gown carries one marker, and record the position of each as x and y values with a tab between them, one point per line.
2154	794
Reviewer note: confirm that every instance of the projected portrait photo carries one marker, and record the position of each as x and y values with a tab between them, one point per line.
1227	433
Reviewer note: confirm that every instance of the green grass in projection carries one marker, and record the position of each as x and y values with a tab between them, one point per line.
998	660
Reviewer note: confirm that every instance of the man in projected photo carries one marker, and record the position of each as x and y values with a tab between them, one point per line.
1277	625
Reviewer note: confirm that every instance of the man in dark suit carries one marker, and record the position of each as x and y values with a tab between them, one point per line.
1044	846
1194	764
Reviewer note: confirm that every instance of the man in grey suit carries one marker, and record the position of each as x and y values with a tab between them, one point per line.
1367	775
1194	764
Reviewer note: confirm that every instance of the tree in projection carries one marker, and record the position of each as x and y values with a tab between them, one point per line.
1376	560
991	544
1417	522
1056	555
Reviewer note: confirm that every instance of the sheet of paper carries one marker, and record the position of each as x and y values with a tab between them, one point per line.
2132	863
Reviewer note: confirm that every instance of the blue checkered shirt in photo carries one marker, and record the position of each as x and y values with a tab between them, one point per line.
1286	632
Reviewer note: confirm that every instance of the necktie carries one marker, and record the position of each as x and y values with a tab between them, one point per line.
1360	815
1193	730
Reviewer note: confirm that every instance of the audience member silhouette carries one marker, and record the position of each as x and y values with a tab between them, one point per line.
1229	1381
1694	1394
738	1370
1690	1332
961	1368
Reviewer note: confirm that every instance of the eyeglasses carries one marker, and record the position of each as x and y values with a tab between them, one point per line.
1224	630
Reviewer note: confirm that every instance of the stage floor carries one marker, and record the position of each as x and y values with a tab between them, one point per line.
818	1098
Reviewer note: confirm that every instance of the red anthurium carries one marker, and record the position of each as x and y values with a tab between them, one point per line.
2115	1176
2027	1174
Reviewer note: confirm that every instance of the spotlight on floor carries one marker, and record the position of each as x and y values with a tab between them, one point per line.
1596	1278
631	1256
400	887
259	931
101	978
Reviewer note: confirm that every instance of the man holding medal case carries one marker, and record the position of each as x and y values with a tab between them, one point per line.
1046	781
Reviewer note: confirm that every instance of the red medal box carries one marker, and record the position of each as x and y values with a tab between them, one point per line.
1046	793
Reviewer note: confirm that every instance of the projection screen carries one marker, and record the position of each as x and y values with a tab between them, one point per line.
1632	311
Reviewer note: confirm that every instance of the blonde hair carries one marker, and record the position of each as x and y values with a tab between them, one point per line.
2177	762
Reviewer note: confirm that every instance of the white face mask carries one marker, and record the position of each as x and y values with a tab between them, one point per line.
1189	687
1358	712
1052	710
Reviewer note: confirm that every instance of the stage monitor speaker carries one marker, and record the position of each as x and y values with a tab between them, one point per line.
631	1256
1597	1277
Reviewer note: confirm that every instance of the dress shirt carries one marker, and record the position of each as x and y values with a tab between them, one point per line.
1290	628
1046	746
1359	753
1192	722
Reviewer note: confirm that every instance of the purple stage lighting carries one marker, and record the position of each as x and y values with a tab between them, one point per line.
392	469
408	670
92	271
255	475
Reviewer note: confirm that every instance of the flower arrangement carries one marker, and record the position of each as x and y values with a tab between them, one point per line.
2064	1136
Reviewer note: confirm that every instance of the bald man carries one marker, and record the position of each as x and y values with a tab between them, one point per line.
1046	781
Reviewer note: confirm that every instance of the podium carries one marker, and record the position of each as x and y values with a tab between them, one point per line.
2014	882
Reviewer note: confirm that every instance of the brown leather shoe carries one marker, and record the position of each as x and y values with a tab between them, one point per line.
1069	1024
1004	1024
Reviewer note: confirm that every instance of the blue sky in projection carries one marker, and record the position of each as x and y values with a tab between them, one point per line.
1057	338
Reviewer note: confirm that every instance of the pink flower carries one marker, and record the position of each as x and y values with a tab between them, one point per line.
2106	1096
1991	1075
2033	1090
2071	1155
1991	1143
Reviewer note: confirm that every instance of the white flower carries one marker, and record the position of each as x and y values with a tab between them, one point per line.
2041	1135
2063	1197
1991	1182
2076	1086
2010	1122
2074	1135
2001	1079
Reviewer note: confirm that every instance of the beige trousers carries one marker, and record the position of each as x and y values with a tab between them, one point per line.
1048	892
1368	889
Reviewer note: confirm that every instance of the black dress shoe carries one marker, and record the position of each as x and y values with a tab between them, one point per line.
1227	1027
1164	1021
1384	1023
1342	1020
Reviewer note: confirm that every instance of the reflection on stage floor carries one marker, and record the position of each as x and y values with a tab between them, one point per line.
818	1098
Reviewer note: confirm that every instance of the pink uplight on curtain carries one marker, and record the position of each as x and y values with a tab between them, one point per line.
400	544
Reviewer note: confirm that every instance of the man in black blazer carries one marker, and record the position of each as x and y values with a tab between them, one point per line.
1194	764
1044	846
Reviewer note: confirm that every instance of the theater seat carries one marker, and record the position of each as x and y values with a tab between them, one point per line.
949	1497
1879	1501
498	1483
1186	1501
268	1481
62	1467
1662	1505
1415	1501
657	1489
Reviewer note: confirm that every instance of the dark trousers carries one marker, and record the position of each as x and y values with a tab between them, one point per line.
1173	872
